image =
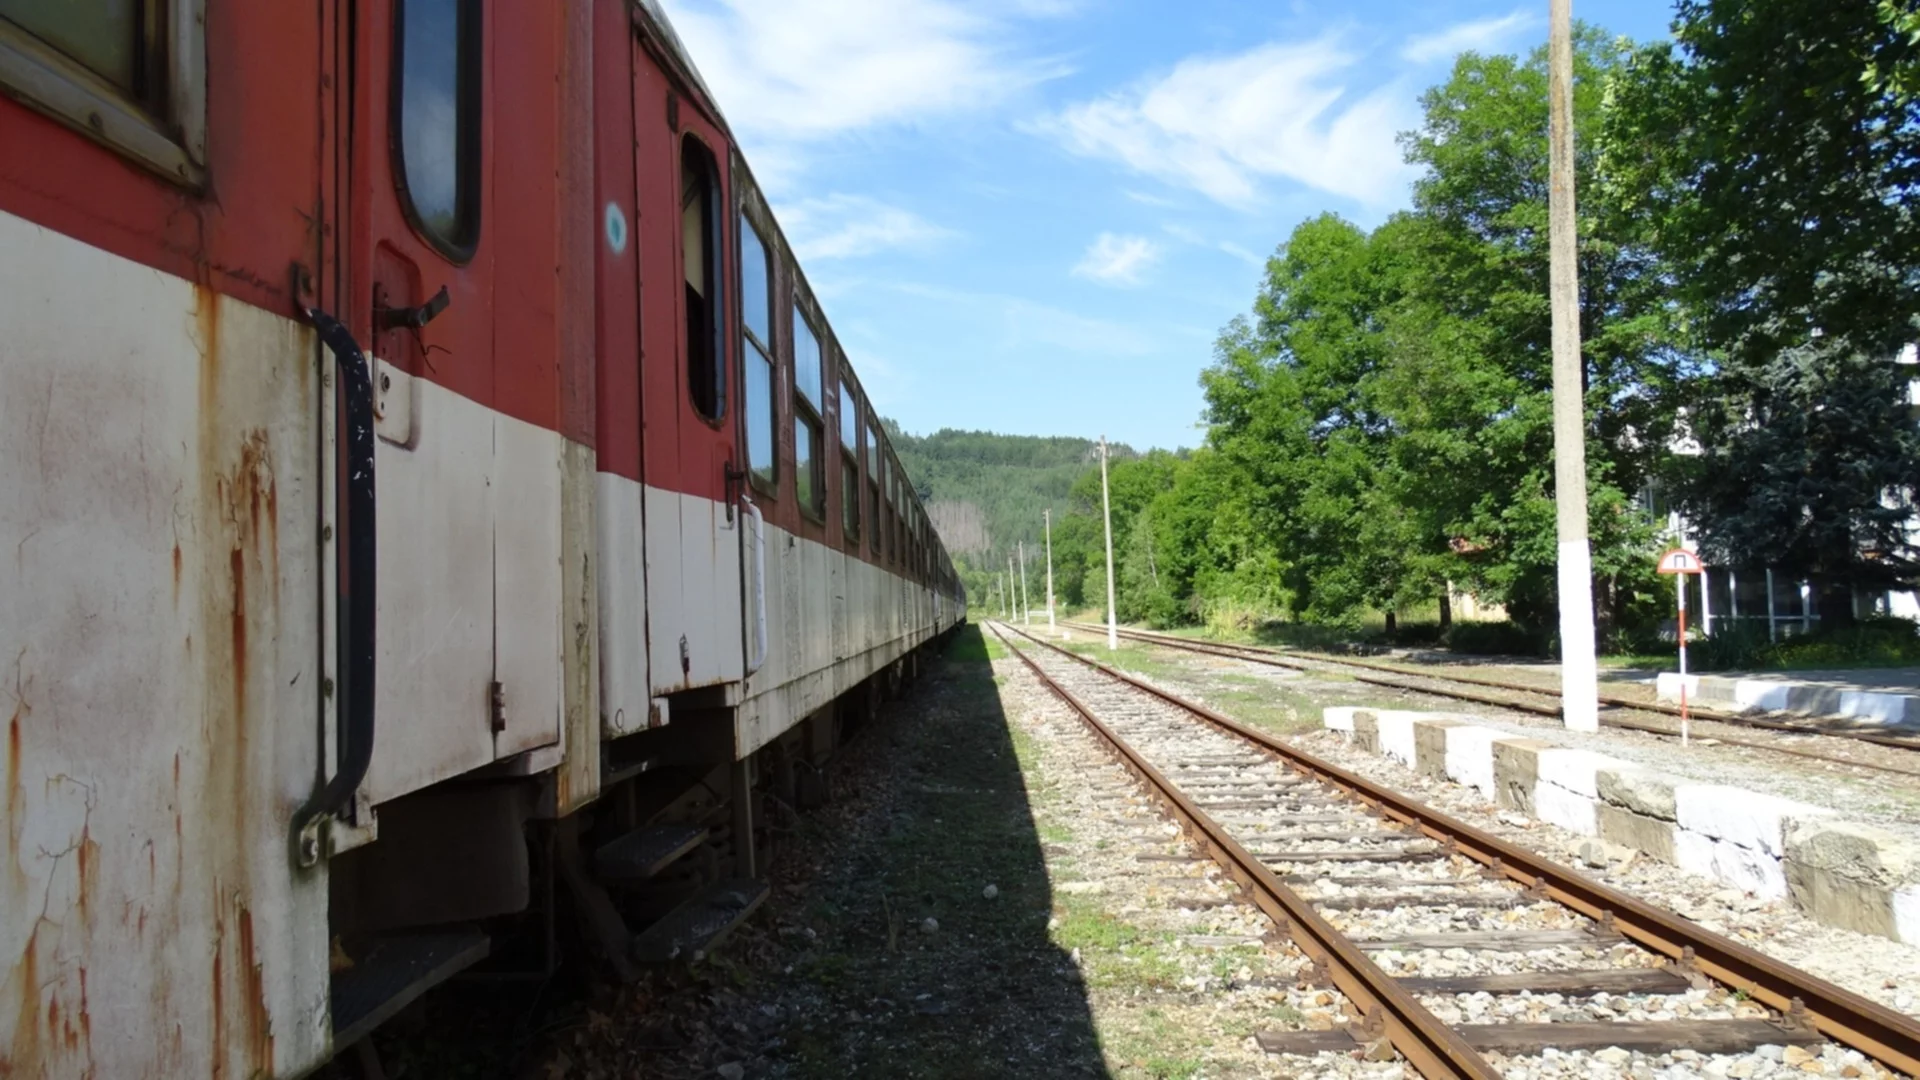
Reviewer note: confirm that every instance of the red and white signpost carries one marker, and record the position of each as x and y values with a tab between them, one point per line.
1680	562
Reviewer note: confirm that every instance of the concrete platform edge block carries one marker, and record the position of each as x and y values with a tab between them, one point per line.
1750	819
1651	836
1338	717
1575	770
1470	757
1430	747
1638	790
1856	877
1516	770
1568	809
1744	868
1366	730
1906	915
1396	736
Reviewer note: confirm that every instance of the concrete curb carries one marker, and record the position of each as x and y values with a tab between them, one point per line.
1853	876
1778	695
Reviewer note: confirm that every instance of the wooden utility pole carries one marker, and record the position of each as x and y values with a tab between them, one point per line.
1047	516
1579	674
1106	511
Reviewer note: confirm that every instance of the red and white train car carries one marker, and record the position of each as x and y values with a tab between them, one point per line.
432	505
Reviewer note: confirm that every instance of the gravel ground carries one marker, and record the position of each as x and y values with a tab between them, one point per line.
1886	971
1883	799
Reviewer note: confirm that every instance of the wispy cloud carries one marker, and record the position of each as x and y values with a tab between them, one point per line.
1480	35
794	72
850	226
1027	325
1223	125
1241	253
1117	260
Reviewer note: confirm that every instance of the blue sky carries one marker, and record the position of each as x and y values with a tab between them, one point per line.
1034	216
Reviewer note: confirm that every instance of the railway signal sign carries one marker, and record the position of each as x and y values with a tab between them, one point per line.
1682	563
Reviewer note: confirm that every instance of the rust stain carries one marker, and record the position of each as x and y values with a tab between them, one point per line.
219	1044
259	1021
176	574
237	569
25	986
14	813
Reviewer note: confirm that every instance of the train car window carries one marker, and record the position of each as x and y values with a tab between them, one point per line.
756	321
873	485
809	443
127	73
700	250
850	492
436	88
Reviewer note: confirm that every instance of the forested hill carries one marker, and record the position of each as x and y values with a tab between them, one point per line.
985	491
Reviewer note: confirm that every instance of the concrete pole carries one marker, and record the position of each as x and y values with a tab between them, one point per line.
1047	516
1013	592
1026	605
1579	669
1106	511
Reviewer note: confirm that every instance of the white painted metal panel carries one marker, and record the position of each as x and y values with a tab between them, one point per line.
624	689
436	586
159	510
526	582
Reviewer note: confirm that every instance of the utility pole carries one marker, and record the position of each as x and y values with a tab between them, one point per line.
1106	511
1013	597
1047	516
1579	672
1026	605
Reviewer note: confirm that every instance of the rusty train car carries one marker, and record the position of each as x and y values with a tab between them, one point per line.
436	518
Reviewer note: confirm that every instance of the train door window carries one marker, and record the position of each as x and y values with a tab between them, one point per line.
873	485
850	461
809	463
700	249
128	73
756	323
436	91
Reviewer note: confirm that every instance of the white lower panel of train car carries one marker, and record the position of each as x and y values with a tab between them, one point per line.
832	620
160	665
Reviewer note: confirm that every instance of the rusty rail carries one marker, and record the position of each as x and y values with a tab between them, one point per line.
1889	1037
1261	655
1432	1047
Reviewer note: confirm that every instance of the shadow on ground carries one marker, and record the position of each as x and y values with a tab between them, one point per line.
878	990
878	953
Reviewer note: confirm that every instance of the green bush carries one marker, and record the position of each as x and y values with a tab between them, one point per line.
1878	641
1495	639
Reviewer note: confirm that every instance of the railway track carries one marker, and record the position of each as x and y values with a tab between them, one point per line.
1531	699
1327	854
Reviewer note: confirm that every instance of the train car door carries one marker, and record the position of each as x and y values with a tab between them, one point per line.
690	394
451	284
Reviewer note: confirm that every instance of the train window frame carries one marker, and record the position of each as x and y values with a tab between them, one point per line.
470	61
163	128
851	491
809	415
752	348
714	242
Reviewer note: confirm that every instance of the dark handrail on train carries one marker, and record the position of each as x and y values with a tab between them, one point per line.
356	589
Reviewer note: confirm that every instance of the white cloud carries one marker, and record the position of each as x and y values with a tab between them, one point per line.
1241	253
1026	325
1117	260
796	72
850	226
1481	35
1224	124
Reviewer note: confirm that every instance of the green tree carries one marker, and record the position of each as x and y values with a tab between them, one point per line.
1773	152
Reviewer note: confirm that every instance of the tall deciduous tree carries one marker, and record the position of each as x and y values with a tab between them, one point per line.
1773	154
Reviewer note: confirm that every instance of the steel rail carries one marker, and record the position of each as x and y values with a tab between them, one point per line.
1889	1037
1260	655
1436	1050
